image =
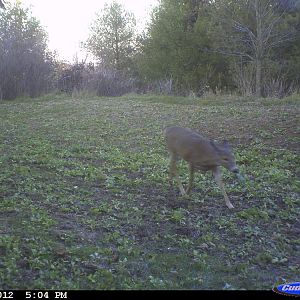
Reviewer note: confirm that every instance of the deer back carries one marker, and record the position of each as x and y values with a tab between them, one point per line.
192	146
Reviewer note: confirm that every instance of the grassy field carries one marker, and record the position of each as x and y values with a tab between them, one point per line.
85	201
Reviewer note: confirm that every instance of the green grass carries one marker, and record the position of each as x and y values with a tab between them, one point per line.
85	201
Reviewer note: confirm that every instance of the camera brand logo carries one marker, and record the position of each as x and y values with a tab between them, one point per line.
288	289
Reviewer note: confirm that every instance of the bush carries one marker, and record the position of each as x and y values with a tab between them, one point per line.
101	81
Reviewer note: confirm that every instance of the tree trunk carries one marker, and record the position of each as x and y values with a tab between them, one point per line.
259	47
258	78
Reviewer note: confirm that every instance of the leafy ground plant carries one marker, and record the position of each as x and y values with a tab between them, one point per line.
85	201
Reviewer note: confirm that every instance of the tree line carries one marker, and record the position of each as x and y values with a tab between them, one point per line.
190	47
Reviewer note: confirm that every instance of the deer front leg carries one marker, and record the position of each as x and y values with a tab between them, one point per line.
191	179
173	171
218	178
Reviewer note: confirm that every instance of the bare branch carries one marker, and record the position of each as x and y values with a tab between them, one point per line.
230	53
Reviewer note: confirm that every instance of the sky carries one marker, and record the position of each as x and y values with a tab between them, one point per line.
67	21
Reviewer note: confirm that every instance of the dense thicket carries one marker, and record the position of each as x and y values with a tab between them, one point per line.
251	46
189	47
178	47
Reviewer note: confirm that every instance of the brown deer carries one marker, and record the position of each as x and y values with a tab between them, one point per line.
201	154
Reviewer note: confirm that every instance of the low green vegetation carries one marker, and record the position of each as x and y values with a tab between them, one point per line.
85	201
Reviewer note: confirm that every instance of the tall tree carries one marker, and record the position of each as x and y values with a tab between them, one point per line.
174	47
250	30
288	55
112	37
25	63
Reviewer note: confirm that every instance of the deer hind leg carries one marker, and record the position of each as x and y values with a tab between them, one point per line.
218	178
173	172
191	179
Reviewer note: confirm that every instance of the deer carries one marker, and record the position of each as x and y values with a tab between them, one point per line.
201	154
